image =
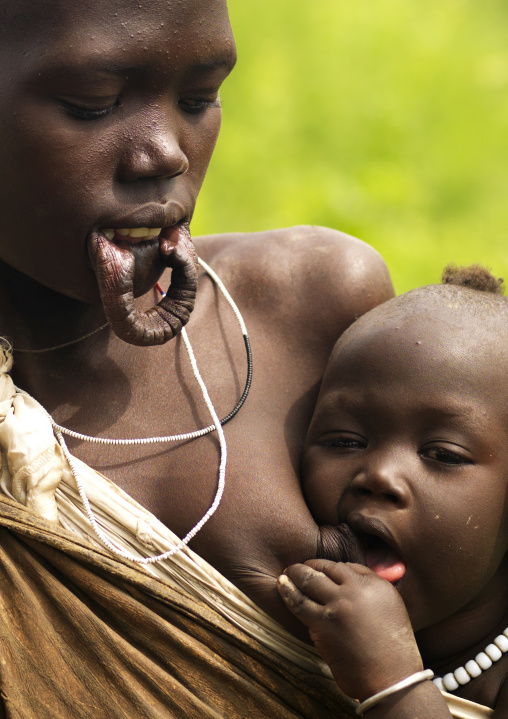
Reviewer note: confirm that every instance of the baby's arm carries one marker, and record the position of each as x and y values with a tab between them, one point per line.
360	626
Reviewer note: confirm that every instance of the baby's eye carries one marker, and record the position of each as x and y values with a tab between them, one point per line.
82	112
197	106
445	455
344	442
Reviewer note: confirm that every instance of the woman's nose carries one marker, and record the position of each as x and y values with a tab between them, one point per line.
154	152
382	479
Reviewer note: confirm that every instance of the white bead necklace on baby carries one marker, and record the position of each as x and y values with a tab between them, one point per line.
474	667
59	431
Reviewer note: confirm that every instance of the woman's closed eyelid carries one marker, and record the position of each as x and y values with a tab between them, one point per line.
84	112
98	108
196	105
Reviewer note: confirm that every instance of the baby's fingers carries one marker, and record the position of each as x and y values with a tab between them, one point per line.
340	572
313	584
300	605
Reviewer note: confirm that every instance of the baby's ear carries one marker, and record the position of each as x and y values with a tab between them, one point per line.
475	277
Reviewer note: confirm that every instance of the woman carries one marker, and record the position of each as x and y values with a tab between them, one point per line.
109	114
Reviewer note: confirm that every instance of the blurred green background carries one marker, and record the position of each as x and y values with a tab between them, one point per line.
386	119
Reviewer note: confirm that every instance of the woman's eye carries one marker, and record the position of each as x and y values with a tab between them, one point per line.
195	107
89	113
445	456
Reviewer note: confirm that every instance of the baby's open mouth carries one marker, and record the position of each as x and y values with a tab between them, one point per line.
383	560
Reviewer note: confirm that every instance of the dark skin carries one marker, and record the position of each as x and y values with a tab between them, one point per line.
409	446
109	114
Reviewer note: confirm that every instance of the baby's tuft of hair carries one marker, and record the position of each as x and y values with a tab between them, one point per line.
474	277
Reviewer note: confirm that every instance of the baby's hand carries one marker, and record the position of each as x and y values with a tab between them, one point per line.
357	621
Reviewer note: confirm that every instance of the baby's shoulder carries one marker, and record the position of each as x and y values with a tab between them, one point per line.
322	278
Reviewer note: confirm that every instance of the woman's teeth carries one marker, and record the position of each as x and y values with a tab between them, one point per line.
137	233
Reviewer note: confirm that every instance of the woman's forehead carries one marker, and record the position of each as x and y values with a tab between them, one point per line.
34	19
92	34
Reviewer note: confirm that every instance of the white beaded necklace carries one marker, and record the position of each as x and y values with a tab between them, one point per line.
59	431
474	667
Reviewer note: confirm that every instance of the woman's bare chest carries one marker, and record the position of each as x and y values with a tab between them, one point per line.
177	480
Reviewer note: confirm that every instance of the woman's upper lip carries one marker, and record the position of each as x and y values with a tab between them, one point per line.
365	526
151	215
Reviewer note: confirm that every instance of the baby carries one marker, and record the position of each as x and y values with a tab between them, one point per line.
408	446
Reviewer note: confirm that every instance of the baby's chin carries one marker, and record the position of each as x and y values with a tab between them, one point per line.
339	544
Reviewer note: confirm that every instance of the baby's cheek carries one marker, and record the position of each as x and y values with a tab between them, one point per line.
321	486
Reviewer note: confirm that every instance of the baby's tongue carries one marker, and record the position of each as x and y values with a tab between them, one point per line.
385	562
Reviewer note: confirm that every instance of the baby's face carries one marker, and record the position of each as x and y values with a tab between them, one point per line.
409	446
109	114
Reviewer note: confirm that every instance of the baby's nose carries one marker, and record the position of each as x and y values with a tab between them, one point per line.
382	480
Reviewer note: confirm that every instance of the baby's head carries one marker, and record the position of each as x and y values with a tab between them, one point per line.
409	442
109	113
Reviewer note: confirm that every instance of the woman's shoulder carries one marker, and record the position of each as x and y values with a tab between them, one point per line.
300	239
313	274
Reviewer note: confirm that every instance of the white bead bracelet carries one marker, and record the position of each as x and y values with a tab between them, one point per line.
415	678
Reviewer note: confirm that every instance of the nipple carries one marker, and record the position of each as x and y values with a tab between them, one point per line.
339	544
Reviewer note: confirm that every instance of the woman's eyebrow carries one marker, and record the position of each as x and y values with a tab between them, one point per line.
58	71
99	67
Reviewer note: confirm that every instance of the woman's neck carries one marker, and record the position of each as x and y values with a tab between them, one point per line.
35	317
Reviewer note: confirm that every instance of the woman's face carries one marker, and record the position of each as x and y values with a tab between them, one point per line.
109	114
